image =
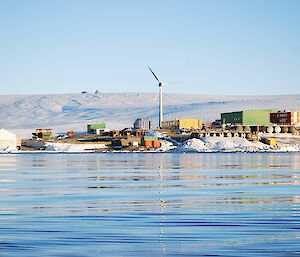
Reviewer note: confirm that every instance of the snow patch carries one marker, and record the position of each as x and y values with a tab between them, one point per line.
234	144
192	145
65	147
166	146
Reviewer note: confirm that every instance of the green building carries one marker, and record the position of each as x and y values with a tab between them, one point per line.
92	128
248	117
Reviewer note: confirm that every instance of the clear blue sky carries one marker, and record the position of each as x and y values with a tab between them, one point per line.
209	47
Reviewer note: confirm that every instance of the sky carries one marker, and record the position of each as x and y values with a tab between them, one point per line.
225	47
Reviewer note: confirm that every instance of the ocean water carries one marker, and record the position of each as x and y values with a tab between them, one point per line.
210	204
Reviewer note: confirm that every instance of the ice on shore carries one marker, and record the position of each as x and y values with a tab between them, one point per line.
233	144
289	148
192	145
208	144
166	146
9	150
65	147
221	144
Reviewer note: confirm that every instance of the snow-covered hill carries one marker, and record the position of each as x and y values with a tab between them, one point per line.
22	114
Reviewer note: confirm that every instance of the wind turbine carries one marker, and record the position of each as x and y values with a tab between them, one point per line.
160	84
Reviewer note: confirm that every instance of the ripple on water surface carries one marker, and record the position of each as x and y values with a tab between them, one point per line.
209	204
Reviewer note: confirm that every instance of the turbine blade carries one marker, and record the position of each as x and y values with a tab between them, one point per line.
154	74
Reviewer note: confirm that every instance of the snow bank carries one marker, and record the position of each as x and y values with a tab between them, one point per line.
289	148
65	147
192	145
166	146
233	144
9	150
236	144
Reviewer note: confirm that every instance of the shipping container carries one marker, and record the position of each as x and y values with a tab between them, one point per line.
70	133
156	143
272	142
145	138
148	144
208	125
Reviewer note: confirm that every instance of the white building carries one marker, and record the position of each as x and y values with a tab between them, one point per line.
7	140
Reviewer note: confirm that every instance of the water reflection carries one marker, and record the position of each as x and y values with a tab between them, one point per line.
151	160
150	204
8	162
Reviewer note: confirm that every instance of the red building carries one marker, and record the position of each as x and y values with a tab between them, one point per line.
285	118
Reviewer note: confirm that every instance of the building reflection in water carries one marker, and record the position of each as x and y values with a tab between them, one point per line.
183	180
162	216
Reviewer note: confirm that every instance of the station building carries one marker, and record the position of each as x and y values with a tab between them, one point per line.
141	123
248	117
182	124
285	118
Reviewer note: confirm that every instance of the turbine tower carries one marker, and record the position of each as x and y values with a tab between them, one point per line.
160	85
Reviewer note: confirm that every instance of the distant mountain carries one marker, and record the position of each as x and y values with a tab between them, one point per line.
62	112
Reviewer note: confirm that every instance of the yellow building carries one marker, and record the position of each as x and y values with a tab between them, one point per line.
182	124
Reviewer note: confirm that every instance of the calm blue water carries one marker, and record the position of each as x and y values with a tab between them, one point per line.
150	205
